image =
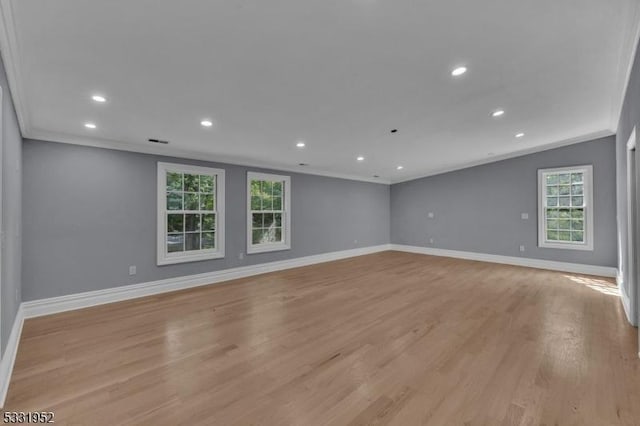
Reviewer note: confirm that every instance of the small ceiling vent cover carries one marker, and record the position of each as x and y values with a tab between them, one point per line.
158	141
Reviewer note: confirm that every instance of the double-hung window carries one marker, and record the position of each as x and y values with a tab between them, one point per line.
190	213
565	208
268	212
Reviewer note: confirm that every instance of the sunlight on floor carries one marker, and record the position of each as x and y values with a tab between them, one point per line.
603	286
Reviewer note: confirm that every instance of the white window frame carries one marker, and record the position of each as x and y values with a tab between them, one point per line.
286	214
587	171
165	258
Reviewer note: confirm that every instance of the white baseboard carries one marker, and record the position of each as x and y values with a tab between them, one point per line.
9	358
36	308
626	301
577	268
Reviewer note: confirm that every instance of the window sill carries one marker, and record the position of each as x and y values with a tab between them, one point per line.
267	248
191	258
567	246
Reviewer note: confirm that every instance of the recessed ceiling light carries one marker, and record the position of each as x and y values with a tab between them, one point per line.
458	71
301	144
394	130
519	135
360	158
399	167
497	113
90	125
99	98
206	123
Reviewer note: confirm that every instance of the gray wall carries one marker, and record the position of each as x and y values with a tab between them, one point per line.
629	118
89	213
11	211
478	209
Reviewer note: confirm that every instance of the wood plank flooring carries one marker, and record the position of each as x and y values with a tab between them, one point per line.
389	338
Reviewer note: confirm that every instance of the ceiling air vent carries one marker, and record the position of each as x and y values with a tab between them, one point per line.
158	141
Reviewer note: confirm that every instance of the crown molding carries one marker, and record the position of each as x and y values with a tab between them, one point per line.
169	151
566	142
9	47
627	54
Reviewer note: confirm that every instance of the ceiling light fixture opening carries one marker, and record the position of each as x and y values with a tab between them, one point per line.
206	123
90	125
99	98
399	167
519	135
497	113
360	158
301	144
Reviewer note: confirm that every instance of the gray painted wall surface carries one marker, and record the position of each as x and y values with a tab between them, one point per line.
629	118
89	213
11	210
478	209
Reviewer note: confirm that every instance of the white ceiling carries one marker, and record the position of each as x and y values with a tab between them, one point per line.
338	74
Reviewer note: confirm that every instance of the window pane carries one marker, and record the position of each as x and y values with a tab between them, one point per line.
206	184
576	177
577	236
277	189
564	201
255	188
268	220
564	224
192	241
564	235
552	201
577	224
175	223
174	181
206	202
577	201
564	213
257	236
552	179
267	188
577	190
552	224
175	243
208	222
278	219
552	190
192	222
191	183
577	213
564	178
278	236
269	235
564	189
277	203
552	213
208	240
256	203
256	220
191	202
552	235
174	201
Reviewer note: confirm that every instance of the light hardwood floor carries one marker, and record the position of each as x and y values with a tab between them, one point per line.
389	338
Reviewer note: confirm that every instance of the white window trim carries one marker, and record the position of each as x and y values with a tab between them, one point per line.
588	195
286	220
164	258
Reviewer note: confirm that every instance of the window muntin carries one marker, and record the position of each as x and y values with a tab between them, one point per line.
268	217
190	219
565	208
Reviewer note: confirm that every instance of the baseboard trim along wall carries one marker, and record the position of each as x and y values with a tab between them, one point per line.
10	352
36	308
626	301
577	268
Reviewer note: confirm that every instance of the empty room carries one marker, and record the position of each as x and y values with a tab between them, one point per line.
313	212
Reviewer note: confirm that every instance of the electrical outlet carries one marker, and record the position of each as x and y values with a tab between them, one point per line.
431	241
240	255
524	215
355	242
521	248
431	215
132	270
